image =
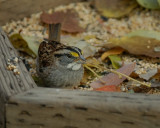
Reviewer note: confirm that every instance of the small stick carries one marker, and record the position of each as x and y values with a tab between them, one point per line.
95	73
129	78
120	74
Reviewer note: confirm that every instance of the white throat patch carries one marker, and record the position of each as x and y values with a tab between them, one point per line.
74	66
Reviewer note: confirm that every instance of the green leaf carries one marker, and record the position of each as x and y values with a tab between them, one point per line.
115	8
158	2
26	44
115	61
151	4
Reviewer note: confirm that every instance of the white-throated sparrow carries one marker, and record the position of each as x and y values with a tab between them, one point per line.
57	64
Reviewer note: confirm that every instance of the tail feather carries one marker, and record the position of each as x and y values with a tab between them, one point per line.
54	32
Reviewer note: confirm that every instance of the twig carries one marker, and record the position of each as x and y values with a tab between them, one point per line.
129	78
94	73
120	74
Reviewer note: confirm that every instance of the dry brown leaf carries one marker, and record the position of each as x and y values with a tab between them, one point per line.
113	51
68	19
92	63
150	73
115	8
114	79
140	42
92	60
85	77
109	88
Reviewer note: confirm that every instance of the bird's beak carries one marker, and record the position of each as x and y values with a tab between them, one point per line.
82	58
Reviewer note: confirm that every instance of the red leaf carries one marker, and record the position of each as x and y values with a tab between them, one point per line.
114	79
68	19
109	88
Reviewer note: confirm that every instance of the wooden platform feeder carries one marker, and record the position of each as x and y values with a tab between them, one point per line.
24	105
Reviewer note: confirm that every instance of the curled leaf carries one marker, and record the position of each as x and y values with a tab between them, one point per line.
113	51
114	79
68	19
21	45
115	8
139	43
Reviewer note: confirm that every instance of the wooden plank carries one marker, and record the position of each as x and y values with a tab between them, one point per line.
60	108
11	84
17	9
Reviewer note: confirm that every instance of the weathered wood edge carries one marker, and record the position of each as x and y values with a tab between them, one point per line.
11	84
45	107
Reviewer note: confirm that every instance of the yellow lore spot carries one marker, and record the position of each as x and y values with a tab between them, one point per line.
74	54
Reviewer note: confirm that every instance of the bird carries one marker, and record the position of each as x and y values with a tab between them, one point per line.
59	65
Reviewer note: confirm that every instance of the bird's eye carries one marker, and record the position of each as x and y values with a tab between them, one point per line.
69	56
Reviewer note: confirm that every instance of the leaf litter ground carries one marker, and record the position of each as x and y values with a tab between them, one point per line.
99	37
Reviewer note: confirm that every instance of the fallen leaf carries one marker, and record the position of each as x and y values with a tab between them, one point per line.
158	2
155	81
92	60
88	37
114	79
21	45
149	74
70	39
85	77
89	62
68	19
151	4
115	61
155	84
33	42
109	88
141	89
87	49
140	42
115	8
132	84
113	51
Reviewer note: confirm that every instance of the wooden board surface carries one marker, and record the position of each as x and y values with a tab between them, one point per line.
17	9
59	108
11	84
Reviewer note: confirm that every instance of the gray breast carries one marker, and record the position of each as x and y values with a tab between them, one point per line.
63	78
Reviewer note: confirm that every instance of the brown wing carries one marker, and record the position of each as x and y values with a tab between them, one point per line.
46	52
